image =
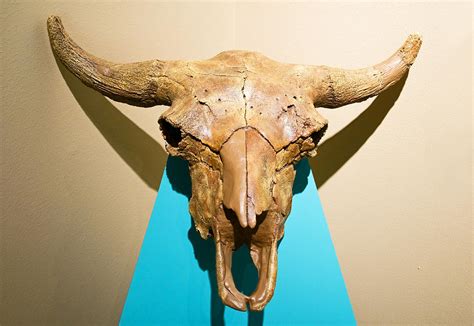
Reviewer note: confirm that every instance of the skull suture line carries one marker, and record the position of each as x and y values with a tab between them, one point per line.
242	121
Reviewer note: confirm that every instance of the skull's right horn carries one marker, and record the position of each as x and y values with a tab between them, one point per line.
142	84
334	87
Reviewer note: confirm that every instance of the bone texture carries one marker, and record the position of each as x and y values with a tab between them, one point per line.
242	121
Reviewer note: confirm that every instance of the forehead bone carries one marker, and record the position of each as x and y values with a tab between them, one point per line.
238	89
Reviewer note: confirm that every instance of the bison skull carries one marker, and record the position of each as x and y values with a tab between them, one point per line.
242	121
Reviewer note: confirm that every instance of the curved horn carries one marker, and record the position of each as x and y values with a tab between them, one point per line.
139	83
333	87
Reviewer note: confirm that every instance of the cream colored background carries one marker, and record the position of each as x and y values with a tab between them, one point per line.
79	172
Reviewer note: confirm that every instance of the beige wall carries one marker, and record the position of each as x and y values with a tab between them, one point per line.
79	172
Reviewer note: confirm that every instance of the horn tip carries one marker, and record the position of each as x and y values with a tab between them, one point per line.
410	49
415	39
54	23
53	20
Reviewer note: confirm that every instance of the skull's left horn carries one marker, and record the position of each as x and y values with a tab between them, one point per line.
140	83
334	87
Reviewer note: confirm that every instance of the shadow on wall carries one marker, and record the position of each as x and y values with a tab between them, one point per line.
139	150
334	152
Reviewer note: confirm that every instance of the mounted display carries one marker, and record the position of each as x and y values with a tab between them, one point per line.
242	121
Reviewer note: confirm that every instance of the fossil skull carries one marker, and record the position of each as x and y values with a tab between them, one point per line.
242	121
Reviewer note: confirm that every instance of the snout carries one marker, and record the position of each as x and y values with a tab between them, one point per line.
249	163
256	199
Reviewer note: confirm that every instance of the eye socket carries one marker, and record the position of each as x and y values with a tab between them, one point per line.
316	136
171	133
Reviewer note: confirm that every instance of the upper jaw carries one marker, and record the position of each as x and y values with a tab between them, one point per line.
266	195
262	243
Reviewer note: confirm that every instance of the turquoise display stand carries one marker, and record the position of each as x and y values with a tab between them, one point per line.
174	281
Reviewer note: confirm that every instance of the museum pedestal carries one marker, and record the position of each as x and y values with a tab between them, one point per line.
174	281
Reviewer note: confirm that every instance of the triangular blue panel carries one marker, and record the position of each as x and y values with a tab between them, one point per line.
174	281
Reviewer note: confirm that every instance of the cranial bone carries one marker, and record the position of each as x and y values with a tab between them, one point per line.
242	121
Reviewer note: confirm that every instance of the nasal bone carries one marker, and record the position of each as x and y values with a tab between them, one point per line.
248	167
